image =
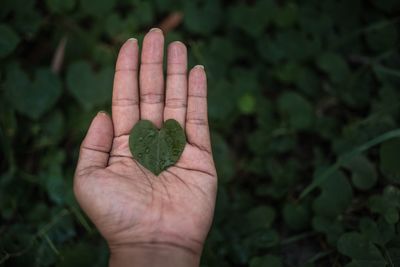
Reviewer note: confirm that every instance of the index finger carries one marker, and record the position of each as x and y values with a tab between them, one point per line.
125	99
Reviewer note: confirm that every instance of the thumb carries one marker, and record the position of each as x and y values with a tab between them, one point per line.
95	148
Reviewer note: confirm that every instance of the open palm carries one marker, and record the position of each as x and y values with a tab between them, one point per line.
127	203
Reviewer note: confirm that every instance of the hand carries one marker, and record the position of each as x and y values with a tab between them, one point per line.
148	219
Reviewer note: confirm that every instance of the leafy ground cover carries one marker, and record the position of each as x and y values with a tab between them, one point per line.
304	104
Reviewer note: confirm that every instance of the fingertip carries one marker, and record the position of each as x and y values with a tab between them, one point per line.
156	30
128	55
201	67
102	113
101	125
132	40
177	53
197	78
198	72
154	35
131	43
153	47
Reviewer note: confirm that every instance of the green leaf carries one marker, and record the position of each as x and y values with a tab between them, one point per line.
59	6
257	16
32	98
334	65
360	250
260	217
196	12
262	239
329	203
267	260
247	103
383	38
28	21
8	40
89	88
296	216
97	8
296	110
387	204
331	228
157	149
364	175
390	159
377	232
286	15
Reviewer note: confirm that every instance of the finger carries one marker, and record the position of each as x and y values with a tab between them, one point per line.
125	102
196	119
96	146
151	77
176	89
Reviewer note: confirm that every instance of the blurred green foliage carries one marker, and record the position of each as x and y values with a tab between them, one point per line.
294	86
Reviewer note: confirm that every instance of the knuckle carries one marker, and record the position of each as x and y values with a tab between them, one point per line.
197	120
152	98
125	102
175	103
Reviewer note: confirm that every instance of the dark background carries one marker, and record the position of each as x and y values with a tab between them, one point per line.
294	86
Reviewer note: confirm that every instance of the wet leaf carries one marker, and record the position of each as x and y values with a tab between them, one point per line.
157	149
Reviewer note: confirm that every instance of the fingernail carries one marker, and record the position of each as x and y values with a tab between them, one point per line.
199	67
178	42
155	30
132	40
102	112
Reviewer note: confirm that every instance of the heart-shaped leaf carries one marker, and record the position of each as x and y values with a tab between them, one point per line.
157	149
88	87
32	98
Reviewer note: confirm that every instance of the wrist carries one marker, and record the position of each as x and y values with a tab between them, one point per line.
153	255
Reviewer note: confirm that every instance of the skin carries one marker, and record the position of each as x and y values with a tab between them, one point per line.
150	220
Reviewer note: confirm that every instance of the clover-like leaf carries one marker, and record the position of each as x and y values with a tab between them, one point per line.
360	250
260	217
297	110
296	216
334	65
157	149
329	203
364	175
379	232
